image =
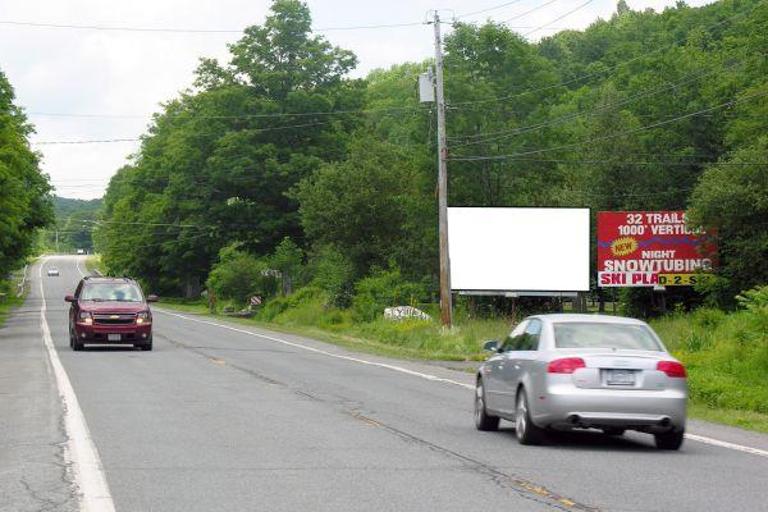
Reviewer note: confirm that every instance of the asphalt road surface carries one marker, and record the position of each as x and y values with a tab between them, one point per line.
222	417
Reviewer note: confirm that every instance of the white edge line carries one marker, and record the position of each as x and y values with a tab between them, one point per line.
392	367
726	444
692	437
80	450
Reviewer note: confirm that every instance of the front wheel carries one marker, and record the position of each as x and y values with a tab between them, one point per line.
671	440
483	420
526	431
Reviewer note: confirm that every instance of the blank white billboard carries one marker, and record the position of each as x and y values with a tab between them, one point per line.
519	249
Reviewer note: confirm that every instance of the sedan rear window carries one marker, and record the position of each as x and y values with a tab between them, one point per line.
120	292
604	335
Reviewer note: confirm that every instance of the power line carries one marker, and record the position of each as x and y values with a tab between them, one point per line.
105	141
171	30
482	138
392	110
92	141
635	163
559	17
613	136
529	11
595	73
489	9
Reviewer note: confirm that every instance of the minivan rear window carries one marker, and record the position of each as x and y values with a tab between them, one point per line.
605	335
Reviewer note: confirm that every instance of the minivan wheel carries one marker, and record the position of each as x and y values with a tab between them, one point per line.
526	431
671	440
483	420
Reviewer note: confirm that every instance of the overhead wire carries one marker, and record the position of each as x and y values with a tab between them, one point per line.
172	30
563	16
612	136
482	138
488	9
526	13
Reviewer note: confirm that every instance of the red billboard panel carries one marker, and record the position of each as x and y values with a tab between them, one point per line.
650	249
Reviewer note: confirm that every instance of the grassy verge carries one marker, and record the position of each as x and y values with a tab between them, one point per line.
94	265
726	354
8	299
411	339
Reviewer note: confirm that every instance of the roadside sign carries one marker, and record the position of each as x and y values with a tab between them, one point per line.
637	249
255	300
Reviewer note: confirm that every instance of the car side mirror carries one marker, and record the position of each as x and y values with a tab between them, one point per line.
69	298
491	346
152	298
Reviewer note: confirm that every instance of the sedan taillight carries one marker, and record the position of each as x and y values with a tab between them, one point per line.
672	369
566	365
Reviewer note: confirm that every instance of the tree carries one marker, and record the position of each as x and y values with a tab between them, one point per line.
25	202
732	199
218	162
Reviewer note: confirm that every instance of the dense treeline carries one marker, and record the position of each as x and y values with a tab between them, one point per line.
25	203
279	160
75	221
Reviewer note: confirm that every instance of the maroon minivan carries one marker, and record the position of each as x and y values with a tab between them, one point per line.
109	310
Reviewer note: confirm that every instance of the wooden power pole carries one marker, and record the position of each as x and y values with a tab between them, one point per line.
446	306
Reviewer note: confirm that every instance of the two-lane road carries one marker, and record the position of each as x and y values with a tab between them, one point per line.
226	417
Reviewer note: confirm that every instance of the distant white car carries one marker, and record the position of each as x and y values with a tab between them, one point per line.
81	251
53	272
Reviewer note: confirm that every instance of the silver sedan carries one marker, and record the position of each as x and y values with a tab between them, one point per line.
582	371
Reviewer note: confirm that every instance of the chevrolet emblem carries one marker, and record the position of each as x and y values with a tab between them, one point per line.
114	317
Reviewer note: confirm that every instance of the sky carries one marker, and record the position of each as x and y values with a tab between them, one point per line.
84	84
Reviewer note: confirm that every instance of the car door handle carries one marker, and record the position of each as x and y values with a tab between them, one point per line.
517	367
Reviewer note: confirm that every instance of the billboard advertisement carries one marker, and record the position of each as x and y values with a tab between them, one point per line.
519	249
651	249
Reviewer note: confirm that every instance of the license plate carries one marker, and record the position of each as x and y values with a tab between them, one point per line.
113	337
620	377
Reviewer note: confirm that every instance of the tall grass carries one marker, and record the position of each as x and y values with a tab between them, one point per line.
726	356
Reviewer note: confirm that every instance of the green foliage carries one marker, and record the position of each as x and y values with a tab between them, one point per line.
25	203
731	198
384	288
287	258
754	300
75	221
726	355
217	163
238	276
334	274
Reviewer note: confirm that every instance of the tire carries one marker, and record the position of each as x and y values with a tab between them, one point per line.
614	431
77	346
146	347
526	431
483	420
671	440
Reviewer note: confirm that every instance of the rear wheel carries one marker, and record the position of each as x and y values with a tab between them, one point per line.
483	420
525	430
671	440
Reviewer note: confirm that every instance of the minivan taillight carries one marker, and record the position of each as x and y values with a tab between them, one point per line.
672	369
565	365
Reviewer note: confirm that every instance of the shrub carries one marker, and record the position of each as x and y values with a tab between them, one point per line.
239	275
383	289
333	273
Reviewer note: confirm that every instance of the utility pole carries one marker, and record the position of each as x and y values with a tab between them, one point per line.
446	306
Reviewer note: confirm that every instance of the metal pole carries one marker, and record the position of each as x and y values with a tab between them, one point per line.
446	307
